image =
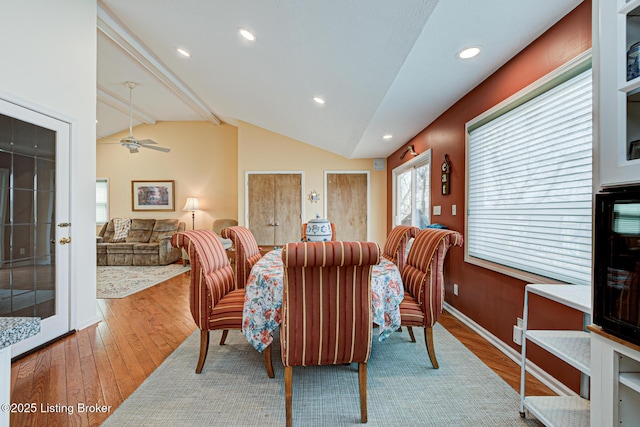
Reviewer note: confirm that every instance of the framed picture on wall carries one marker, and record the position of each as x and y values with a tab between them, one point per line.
152	196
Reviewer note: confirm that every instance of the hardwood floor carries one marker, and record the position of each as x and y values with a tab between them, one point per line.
100	366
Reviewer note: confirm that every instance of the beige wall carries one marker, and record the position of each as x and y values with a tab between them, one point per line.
262	150
203	162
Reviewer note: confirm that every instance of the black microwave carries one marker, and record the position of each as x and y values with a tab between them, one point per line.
616	286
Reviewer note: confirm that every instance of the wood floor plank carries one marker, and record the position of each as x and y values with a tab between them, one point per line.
106	362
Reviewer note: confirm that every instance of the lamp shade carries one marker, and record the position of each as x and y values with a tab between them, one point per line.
192	204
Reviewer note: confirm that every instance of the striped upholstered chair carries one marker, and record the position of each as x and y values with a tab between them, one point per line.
395	248
423	280
215	302
326	309
247	251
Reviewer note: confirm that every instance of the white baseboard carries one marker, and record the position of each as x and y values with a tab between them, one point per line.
532	368
91	321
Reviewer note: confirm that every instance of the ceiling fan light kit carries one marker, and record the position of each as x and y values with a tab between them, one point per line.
130	142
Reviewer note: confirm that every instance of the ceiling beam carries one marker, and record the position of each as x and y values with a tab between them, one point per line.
121	105
116	31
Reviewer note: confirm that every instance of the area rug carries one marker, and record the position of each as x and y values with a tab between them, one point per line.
403	389
121	281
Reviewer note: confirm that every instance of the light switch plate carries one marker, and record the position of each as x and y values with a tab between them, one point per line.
437	210
454	210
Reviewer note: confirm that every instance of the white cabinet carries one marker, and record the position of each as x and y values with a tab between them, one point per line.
570	346
616	29
615	387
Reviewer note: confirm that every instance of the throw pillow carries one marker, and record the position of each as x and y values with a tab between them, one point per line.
121	227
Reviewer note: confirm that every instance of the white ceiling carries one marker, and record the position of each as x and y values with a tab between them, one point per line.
382	66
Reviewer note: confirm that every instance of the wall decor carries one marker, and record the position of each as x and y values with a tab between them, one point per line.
152	196
446	175
314	196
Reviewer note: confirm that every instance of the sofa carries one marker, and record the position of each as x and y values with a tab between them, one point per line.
125	241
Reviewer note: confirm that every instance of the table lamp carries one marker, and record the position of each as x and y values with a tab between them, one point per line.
192	205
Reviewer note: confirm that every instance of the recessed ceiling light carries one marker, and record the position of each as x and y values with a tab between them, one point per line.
468	52
387	136
246	34
318	100
183	52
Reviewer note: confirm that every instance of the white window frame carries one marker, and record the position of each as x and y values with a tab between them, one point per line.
421	159
106	180
556	77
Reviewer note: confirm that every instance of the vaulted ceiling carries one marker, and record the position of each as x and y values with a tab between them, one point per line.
382	67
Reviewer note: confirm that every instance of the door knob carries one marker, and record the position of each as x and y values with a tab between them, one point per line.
276	224
65	240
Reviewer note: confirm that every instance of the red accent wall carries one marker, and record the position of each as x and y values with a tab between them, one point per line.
493	300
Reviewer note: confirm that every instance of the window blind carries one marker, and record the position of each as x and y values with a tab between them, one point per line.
102	201
530	185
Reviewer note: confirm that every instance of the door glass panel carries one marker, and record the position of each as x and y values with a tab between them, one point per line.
422	196
404	198
27	220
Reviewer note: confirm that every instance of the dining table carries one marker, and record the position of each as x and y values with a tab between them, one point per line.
261	316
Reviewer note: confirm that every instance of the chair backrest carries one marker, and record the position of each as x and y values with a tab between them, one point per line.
219	224
304	232
395	248
247	251
422	275
326	302
211	273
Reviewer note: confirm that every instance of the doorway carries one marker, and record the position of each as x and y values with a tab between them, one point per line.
34	197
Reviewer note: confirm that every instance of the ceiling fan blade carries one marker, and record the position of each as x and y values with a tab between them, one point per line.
163	149
147	141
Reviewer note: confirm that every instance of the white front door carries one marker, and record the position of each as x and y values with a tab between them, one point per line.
35	228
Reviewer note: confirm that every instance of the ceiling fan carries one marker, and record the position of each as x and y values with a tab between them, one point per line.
130	142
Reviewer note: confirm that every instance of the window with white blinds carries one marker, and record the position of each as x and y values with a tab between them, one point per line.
102	201
530	183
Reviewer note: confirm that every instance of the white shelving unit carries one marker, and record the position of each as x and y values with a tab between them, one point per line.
616	29
571	346
616	380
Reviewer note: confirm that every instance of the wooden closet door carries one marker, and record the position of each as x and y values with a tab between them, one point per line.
347	205
275	207
288	205
261	189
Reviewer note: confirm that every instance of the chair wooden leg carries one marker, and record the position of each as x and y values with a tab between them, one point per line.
224	337
267	361
204	347
362	380
413	337
428	339
288	392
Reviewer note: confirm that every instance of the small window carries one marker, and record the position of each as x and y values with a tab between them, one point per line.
412	195
529	192
102	201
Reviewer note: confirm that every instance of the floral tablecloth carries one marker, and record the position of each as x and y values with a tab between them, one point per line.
263	299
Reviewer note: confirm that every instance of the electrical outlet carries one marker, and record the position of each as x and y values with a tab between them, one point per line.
455	289
517	334
22	251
